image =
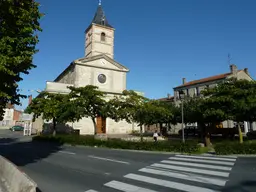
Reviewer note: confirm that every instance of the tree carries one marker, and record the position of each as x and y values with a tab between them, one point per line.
234	99
19	23
204	112
172	112
130	107
50	106
87	102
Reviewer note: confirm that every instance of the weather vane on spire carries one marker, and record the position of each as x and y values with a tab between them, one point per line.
99	2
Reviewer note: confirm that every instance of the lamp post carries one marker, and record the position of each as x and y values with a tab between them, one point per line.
182	95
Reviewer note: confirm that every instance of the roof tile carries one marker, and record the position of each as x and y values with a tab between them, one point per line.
204	80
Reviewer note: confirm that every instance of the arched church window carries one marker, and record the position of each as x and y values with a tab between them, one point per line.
103	37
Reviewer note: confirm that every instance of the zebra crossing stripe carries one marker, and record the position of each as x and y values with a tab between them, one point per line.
126	187
168	184
207	157
188	176
203	161
198	165
193	170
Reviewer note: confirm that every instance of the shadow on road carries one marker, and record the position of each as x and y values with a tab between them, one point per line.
6	141
23	153
244	186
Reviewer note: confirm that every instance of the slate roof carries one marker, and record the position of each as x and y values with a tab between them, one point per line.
100	18
207	79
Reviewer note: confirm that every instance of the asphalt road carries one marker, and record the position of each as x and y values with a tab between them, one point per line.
83	169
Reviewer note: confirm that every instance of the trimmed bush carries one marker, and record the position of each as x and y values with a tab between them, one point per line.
168	146
227	148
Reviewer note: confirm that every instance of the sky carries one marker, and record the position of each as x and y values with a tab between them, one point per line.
160	41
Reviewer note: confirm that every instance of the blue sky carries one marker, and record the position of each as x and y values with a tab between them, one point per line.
159	41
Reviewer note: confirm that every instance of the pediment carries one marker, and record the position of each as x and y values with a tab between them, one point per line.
101	61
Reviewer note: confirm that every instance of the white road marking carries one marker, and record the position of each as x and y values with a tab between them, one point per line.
67	152
91	190
198	165
206	157
126	187
220	156
105	159
202	161
188	176
193	170
169	184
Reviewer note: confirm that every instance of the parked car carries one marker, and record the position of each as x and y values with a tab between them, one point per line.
17	128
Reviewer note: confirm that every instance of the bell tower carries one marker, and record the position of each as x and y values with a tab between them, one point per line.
99	36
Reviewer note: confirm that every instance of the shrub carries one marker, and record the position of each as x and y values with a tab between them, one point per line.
168	146
251	135
227	148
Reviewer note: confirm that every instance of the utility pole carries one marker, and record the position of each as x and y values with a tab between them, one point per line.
182	122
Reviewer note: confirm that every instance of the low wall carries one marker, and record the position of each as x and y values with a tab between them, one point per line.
14	180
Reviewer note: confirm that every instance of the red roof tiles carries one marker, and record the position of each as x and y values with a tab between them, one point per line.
204	80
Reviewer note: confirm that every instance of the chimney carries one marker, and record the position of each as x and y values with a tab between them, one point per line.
183	80
246	71
233	69
168	96
29	99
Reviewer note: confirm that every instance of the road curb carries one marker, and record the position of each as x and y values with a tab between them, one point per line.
129	150
159	152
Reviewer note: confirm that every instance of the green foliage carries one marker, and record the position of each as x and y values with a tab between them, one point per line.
234	99
169	146
135	108
193	110
51	106
87	102
126	106
19	22
227	148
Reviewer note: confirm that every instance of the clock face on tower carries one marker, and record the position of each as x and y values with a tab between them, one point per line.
102	78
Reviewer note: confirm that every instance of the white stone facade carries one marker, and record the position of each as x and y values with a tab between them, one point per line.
98	61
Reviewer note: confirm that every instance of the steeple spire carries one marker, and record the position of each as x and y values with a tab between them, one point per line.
100	18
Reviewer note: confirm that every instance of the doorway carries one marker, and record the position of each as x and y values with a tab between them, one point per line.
101	125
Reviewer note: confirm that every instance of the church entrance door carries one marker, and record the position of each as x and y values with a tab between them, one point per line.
101	125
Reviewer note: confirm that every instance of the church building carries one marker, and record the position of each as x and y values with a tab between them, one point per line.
97	68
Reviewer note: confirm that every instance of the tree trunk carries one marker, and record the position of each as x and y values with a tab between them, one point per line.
240	133
141	134
94	125
207	136
161	128
207	139
202	132
54	127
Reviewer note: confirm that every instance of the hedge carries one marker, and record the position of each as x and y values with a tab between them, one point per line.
227	148
168	146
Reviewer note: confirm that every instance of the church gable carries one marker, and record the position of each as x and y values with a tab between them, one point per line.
102	61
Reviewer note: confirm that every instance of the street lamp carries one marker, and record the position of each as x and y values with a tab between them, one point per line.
182	95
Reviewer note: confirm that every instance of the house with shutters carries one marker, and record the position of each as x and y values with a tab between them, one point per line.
194	88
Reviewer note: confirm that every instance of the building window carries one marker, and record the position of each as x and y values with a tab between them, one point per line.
103	37
197	91
188	92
